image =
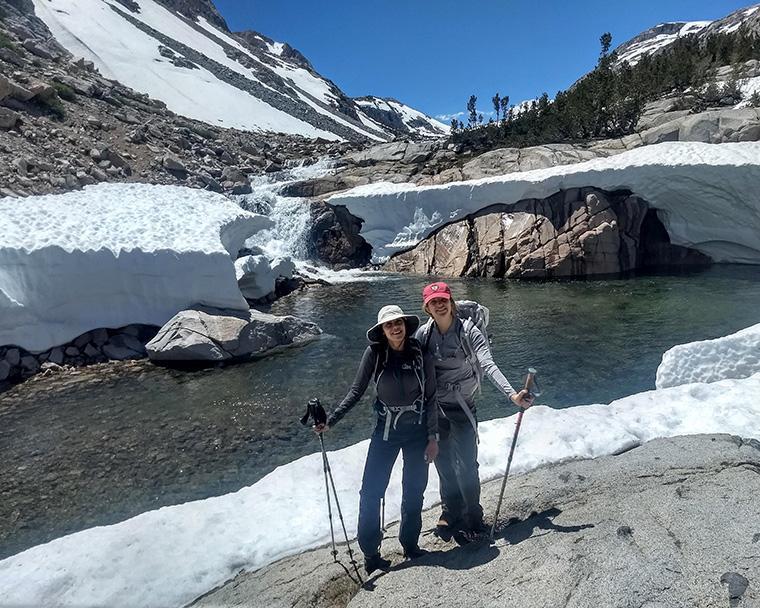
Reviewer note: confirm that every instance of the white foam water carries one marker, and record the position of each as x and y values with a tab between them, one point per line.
291	215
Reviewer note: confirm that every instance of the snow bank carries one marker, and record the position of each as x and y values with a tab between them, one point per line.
115	254
706	195
172	555
734	356
257	275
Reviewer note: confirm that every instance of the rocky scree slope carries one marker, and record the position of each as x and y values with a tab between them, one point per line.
64	126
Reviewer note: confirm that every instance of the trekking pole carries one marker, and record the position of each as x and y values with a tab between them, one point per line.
382	514
329	505
530	383
337	505
315	411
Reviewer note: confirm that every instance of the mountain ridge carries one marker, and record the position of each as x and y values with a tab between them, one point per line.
182	53
660	36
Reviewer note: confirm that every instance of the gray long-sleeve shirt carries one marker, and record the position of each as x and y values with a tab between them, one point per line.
397	385
451	364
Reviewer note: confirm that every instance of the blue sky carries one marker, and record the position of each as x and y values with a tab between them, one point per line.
433	54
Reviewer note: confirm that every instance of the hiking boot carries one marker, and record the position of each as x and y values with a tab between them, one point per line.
445	529
479	527
414	552
375	562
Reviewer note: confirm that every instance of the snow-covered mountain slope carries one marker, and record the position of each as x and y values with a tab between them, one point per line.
394	115
721	223
656	38
182	53
660	36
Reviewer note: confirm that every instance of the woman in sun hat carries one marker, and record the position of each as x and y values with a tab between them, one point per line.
407	421
461	356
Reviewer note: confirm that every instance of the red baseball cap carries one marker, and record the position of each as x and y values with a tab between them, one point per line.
435	290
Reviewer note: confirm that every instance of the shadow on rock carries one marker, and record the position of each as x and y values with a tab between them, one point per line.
458	558
515	533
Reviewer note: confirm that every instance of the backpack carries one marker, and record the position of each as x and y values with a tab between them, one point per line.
477	313
392	414
470	313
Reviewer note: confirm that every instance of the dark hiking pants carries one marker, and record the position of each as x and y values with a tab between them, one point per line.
457	465
411	441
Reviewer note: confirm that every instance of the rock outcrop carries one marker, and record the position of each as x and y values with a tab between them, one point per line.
213	335
334	237
431	163
577	232
635	529
704	195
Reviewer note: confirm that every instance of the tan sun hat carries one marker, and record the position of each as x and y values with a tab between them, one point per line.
391	313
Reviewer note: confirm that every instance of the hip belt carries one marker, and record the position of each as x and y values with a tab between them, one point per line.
393	412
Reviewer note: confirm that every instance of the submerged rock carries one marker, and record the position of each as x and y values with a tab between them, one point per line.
214	335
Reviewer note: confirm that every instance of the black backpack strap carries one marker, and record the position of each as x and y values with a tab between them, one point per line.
381	358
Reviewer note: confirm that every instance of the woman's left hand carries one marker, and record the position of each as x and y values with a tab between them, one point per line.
522	399
431	451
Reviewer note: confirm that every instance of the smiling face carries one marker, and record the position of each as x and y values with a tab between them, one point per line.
395	331
439	308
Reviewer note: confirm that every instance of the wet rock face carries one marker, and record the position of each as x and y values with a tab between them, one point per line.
334	237
575	233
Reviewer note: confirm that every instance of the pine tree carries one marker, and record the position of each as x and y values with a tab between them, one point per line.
505	108
496	100
472	112
606	41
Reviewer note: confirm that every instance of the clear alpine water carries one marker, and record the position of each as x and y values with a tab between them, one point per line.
105	444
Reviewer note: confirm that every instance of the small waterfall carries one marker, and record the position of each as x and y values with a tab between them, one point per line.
291	215
289	236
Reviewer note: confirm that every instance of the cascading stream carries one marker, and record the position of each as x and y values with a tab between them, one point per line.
289	237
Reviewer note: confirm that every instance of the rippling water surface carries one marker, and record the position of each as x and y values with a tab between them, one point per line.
78	452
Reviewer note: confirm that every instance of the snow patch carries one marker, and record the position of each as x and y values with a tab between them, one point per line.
706	195
115	254
734	356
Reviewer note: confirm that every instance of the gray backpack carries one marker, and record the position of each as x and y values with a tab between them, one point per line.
477	313
471	314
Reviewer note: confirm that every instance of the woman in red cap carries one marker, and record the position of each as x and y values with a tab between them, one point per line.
461	355
407	421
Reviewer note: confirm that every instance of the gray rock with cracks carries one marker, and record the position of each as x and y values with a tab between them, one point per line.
673	523
212	335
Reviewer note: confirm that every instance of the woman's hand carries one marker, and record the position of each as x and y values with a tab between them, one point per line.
431	451
320	428
522	399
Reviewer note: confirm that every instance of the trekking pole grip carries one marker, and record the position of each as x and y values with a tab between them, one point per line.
530	379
